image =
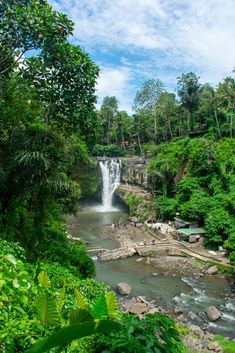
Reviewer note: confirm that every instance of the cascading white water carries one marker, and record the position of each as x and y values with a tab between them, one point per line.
111	175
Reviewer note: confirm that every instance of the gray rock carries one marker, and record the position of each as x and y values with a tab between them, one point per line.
192	316
214	346
182	318
208	336
138	308
178	311
212	270
124	288
212	313
196	330
153	311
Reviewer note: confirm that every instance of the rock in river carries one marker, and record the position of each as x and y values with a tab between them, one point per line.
212	313
124	288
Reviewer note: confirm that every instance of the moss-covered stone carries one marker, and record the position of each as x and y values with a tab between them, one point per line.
88	176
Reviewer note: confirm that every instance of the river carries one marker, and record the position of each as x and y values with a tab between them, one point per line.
188	293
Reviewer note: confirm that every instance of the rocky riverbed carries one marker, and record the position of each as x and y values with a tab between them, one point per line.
195	336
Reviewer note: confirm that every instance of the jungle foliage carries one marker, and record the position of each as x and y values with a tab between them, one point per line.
196	178
47	306
47	119
36	300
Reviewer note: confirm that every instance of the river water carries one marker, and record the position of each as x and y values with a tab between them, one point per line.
168	289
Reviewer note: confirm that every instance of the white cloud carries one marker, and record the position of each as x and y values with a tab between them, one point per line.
115	82
154	38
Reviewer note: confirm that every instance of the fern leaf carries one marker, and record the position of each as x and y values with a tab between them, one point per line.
61	301
112	304
73	332
43	280
46	309
99	309
81	301
79	315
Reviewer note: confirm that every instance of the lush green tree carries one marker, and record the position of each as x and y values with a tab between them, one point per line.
167	109
188	88
226	96
167	207
47	118
208	108
108	111
147	100
64	78
27	25
218	225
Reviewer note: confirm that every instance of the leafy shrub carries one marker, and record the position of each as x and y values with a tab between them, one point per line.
133	202
197	207
82	320
218	225
151	149
20	293
153	333
186	188
17	290
55	247
165	166
201	157
109	151
167	207
12	248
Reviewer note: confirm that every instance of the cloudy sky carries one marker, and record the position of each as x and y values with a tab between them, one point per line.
136	40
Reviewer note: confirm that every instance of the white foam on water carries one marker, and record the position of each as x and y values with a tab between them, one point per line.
230	306
228	317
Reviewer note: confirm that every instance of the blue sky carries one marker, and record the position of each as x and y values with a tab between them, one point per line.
136	40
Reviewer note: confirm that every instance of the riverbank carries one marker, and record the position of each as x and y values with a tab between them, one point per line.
160	249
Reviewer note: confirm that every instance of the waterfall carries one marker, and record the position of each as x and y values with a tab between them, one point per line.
111	175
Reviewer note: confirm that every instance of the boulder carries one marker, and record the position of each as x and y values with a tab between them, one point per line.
212	270
124	288
192	316
138	308
214	346
212	313
196	330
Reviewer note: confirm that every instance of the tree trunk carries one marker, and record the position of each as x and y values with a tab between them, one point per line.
169	126
231	123
217	123
188	121
122	137
138	138
155	128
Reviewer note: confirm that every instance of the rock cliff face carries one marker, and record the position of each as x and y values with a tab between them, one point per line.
134	171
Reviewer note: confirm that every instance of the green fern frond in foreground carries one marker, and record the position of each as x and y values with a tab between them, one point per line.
73	332
44	280
46	309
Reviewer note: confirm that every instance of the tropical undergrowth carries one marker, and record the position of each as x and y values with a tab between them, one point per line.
195	178
48	306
